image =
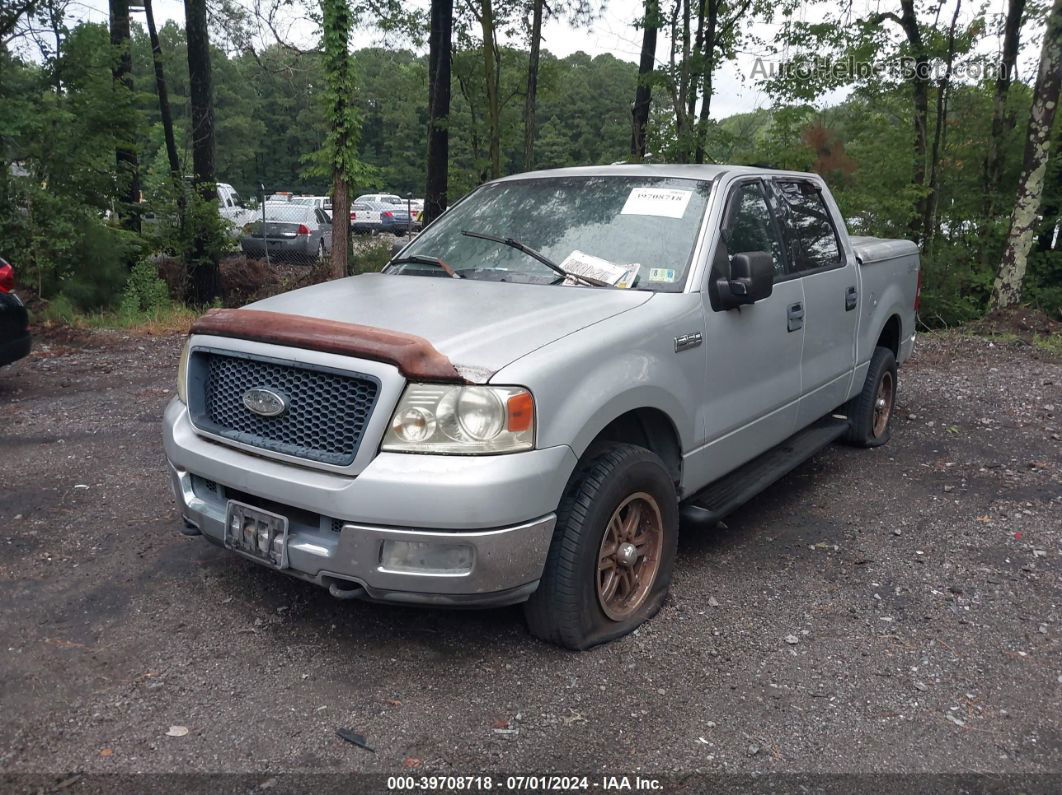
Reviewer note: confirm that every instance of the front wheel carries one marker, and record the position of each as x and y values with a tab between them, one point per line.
870	412
610	562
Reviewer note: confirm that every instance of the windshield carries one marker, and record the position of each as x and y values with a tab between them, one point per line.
650	222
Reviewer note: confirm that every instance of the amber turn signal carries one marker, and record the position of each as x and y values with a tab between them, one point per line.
521	412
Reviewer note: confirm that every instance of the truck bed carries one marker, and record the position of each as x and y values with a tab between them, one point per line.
889	276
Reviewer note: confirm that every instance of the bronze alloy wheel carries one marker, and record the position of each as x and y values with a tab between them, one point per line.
883	403
629	556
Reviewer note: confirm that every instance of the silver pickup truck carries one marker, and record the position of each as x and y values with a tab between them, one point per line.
532	395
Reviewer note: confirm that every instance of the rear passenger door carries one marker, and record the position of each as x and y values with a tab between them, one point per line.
818	260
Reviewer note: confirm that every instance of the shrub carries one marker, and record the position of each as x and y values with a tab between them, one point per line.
144	290
94	270
60	310
369	257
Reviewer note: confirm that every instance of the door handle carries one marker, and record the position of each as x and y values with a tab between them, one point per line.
851	298
795	317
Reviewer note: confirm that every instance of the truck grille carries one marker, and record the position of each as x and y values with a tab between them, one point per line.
326	414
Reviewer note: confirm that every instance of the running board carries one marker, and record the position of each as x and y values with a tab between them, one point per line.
716	500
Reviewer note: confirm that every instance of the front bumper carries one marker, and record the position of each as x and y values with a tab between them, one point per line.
338	523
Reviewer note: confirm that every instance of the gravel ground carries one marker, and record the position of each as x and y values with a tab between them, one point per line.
889	610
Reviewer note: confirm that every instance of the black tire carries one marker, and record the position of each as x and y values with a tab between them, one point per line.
865	428
567	609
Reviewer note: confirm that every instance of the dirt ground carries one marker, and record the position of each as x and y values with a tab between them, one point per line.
876	611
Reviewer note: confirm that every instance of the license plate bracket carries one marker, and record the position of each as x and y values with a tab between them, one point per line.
258	534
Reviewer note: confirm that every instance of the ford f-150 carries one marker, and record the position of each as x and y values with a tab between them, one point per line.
535	392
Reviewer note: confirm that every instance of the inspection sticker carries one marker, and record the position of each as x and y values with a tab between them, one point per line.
662	274
582	264
664	202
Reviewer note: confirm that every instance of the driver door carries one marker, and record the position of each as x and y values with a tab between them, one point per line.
753	383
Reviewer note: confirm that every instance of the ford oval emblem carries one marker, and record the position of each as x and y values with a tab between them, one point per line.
264	402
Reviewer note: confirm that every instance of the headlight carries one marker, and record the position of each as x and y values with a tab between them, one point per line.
182	373
463	420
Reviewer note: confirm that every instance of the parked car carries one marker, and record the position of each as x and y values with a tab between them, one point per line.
527	399
363	218
322	202
232	208
368	216
291	232
15	340
384	198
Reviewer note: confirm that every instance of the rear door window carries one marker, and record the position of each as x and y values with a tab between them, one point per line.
810	235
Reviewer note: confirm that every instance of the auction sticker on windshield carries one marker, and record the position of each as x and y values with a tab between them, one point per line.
664	202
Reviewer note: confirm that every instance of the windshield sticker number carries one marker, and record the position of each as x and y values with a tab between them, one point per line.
663	202
662	274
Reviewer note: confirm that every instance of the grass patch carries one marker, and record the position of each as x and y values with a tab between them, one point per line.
165	319
1051	343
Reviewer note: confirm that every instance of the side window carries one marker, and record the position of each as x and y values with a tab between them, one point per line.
750	226
811	237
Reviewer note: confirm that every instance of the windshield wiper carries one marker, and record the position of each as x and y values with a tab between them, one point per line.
422	260
553	266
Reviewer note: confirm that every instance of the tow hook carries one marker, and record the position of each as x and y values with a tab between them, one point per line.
351	592
190	529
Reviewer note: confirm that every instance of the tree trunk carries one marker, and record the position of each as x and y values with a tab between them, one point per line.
205	282
1009	280
929	225
167	116
491	67
920	92
683	122
337	22
122	74
439	58
697	66
709	71
532	84
643	94
1001	120
340	224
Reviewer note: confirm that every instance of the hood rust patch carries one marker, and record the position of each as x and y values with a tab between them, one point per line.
415	357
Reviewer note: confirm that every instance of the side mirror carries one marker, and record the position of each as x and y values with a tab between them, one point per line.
395	248
751	279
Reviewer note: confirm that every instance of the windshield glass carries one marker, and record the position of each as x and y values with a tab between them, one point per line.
651	222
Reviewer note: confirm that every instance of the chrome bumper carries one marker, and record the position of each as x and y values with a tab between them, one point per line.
506	564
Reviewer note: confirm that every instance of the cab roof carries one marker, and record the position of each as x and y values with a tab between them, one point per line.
676	171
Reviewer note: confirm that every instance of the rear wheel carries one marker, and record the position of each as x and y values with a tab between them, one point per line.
870	412
609	565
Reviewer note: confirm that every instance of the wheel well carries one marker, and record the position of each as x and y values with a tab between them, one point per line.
648	428
890	335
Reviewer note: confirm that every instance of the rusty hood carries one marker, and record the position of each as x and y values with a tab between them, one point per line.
479	326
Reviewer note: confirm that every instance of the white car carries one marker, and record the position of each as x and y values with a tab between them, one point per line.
368	217
317	202
381	198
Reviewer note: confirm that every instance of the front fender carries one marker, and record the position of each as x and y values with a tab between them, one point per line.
589	378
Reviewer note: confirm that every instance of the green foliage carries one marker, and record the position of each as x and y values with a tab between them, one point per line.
144	290
369	258
94	273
